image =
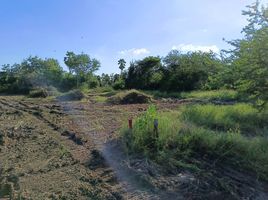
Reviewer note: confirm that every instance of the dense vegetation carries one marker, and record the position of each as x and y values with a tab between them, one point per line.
243	68
214	133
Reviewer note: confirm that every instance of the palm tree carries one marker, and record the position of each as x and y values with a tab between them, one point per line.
122	64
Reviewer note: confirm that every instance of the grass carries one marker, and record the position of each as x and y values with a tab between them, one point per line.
163	94
239	117
99	99
103	92
179	141
220	95
73	95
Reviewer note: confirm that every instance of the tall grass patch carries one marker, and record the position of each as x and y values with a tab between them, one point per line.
220	95
178	142
239	117
143	136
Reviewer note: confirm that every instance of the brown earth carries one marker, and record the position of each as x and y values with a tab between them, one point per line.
69	150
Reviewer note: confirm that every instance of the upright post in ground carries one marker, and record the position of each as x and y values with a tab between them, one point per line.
156	128
130	124
130	127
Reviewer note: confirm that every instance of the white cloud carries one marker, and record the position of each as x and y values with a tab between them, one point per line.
191	47
135	52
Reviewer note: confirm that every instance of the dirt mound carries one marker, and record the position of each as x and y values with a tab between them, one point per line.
130	97
74	95
38	93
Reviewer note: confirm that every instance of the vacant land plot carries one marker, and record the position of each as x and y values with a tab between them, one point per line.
52	149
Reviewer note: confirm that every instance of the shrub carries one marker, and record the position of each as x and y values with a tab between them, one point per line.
119	85
73	95
130	97
38	93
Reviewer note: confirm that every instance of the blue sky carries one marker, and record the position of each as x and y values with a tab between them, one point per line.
113	29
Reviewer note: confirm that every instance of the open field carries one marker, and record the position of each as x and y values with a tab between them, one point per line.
71	150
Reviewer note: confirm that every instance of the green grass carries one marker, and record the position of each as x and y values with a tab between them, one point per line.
181	141
239	117
219	95
162	94
99	99
101	90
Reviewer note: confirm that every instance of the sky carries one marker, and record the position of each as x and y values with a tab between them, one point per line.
112	29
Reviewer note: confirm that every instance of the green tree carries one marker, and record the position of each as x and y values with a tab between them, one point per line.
80	64
249	58
145	74
184	72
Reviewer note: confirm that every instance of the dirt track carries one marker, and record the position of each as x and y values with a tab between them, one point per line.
56	150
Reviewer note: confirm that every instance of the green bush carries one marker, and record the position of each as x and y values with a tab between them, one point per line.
119	84
239	117
73	95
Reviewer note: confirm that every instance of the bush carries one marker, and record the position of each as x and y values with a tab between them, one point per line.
130	97
38	93
73	95
119	85
239	117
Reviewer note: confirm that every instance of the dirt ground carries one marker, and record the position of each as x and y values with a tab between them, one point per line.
69	150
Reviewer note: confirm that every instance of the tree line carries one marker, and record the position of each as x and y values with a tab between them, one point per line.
243	68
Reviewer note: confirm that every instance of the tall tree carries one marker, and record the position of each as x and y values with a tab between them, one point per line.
122	64
249	58
80	64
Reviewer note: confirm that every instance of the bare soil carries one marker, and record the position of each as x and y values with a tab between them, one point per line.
70	150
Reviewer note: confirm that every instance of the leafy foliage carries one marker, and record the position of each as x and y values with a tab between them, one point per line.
247	68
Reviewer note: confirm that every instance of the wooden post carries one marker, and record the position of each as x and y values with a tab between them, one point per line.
156	128
130	126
